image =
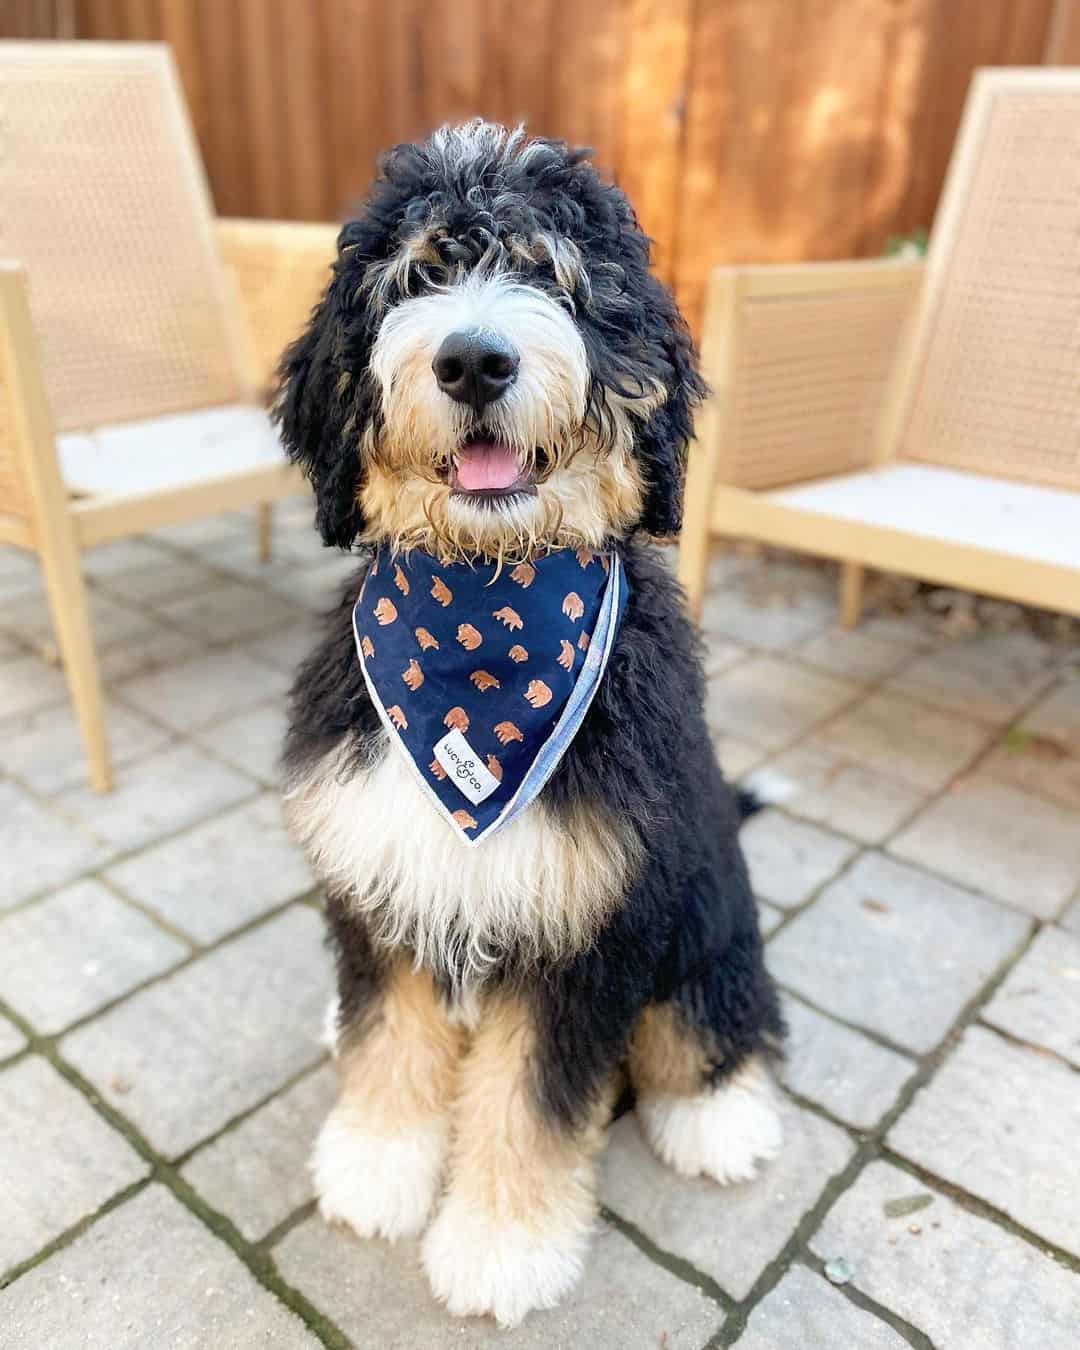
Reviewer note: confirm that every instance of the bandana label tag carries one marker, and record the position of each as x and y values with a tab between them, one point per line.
464	767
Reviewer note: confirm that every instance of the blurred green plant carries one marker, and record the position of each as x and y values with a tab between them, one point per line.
911	245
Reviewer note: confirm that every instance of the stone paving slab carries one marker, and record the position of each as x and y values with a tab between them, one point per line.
67	955
252	741
990	677
28	684
378	1295
45	748
124	557
58	1164
156	796
215	686
41	849
257	1173
962	1281
1040	999
286	647
161	580
823	787
1038	765
1006	843
789	859
1058	716
221	874
904	739
804	1312
856	655
148	1276
1002	1122
729	1232
851	1076
186	1055
229	612
894	950
165	648
774	701
318	588
113	621
11	1039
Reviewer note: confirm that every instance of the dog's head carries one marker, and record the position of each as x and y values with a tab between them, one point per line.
492	367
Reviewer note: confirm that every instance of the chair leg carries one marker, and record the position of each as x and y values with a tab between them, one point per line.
852	578
696	537
70	609
264	530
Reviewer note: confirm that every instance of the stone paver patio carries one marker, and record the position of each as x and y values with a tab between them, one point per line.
162	979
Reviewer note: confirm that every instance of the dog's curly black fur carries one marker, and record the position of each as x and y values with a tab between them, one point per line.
684	935
630	325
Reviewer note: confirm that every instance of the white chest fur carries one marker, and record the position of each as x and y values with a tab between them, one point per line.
541	884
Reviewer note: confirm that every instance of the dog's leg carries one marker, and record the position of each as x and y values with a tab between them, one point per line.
512	1229
705	1099
379	1158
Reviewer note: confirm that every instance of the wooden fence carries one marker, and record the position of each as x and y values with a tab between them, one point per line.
742	129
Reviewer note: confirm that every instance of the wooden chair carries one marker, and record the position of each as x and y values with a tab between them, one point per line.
135	331
928	430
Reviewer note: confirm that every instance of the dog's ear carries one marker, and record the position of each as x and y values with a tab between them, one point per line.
662	443
324	399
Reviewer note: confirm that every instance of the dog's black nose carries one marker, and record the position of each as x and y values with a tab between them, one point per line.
475	367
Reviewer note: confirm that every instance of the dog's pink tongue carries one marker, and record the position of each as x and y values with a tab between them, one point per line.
486	465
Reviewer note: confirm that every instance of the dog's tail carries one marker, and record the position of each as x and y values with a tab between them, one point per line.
763	787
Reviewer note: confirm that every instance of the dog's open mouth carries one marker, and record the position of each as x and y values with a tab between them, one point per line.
485	470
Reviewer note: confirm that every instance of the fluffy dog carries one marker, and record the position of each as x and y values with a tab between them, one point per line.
493	371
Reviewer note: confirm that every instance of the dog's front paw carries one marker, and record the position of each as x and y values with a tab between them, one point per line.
723	1133
380	1186
479	1265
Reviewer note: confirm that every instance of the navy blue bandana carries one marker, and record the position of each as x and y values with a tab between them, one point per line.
482	676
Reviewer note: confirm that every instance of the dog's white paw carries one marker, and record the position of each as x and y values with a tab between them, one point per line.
723	1133
478	1265
380	1186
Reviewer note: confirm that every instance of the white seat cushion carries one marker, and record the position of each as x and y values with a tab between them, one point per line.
172	451
961	508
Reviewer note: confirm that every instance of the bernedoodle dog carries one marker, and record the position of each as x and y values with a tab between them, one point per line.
497	759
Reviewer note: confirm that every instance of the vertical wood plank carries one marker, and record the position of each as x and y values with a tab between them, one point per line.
358	96
303	92
1062	46
178	20
653	114
225	146
589	41
452	60
520	60
263	108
